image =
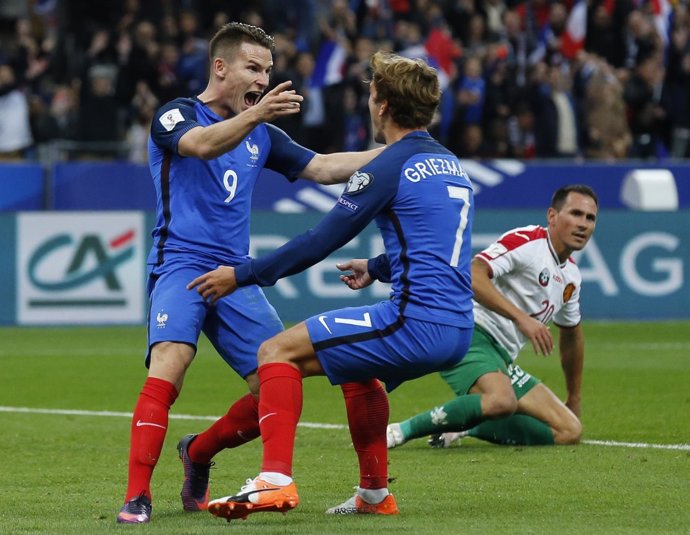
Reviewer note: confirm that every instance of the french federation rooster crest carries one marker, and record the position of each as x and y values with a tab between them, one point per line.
253	150
162	319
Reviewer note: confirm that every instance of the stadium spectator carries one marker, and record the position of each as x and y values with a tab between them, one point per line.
676	97
48	46
604	114
205	155
521	283
556	119
606	31
425	220
642	95
465	133
15	127
521	139
144	104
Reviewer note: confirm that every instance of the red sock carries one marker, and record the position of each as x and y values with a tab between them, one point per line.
149	425
280	406
367	416
238	426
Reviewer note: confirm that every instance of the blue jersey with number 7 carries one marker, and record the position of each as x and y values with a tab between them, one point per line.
422	201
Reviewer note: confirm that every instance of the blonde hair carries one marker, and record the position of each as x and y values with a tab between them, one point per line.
410	86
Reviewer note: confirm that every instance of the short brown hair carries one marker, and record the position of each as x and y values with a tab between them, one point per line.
234	33
561	194
410	86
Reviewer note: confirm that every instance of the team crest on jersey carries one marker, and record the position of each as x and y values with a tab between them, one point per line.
568	292
544	277
358	182
170	118
253	150
161	320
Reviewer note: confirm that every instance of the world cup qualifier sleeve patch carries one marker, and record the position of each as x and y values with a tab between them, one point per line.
358	182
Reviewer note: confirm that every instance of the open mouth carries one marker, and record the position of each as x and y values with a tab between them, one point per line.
251	98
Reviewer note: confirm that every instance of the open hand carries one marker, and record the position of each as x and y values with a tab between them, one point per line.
279	101
358	277
215	284
538	334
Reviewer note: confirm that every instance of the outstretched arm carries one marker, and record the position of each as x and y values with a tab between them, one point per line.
207	142
337	228
487	295
338	166
572	348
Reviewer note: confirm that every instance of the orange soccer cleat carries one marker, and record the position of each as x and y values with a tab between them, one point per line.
256	496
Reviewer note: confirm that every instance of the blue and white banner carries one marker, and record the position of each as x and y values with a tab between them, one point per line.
498	184
637	265
89	267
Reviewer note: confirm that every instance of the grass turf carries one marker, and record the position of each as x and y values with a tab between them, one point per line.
66	473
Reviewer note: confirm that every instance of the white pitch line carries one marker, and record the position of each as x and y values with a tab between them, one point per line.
684	447
72	412
312	425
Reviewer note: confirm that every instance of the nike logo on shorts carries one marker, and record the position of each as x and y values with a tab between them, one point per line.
322	320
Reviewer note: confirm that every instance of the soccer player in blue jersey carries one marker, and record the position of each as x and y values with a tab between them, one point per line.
205	155
422	201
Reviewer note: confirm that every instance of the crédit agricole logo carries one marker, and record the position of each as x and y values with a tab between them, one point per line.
80	268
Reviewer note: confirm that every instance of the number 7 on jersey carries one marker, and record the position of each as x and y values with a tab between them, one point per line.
456	192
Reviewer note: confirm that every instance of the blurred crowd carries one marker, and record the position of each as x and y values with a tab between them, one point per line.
517	83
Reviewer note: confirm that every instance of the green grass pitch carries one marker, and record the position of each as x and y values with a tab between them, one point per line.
64	472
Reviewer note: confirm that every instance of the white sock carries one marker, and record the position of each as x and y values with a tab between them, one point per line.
276	478
372	496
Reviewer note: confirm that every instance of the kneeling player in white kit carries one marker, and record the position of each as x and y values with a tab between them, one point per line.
520	283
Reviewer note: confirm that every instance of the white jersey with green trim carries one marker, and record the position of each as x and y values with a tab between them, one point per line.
525	268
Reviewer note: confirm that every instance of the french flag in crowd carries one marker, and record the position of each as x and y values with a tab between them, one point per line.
575	30
330	64
662	19
439	51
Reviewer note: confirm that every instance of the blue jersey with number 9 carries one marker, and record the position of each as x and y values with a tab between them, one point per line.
203	206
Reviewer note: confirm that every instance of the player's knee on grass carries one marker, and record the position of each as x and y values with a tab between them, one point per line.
569	430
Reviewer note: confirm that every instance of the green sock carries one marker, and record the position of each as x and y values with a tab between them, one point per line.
458	414
518	429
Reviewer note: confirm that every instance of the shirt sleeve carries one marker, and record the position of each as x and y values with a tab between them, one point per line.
355	209
287	156
379	268
570	315
171	122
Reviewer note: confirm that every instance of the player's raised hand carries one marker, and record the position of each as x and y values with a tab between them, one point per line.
215	284
279	101
358	277
538	334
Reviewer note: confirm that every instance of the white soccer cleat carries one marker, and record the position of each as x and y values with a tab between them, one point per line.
356	505
394	436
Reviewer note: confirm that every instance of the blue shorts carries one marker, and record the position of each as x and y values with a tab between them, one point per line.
360	343
236	325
